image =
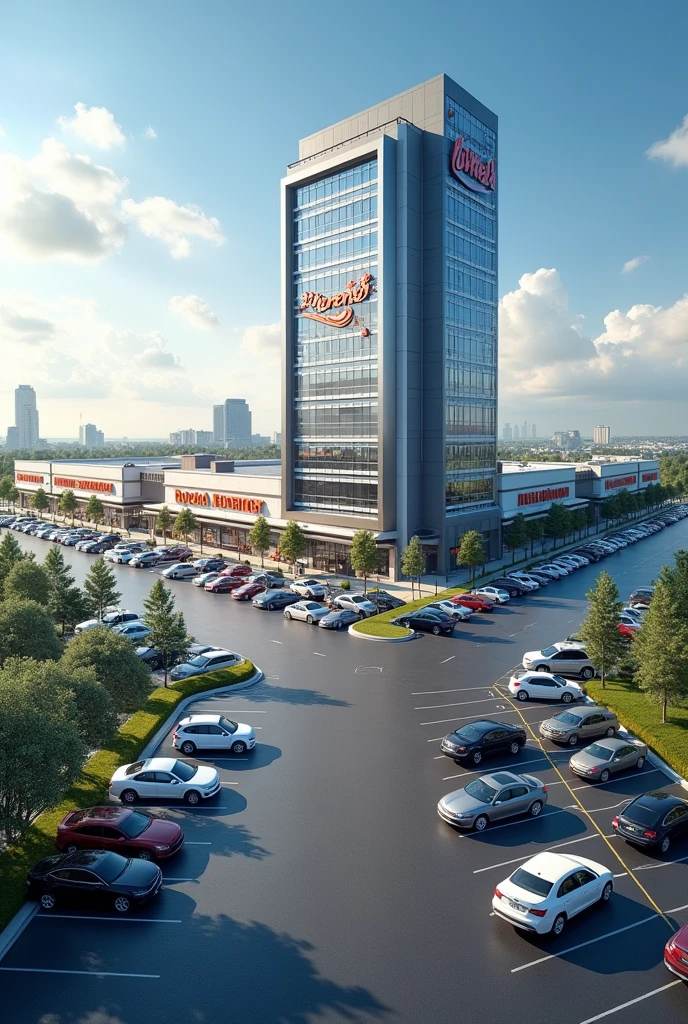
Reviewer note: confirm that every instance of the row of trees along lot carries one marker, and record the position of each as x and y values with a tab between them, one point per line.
61	700
657	659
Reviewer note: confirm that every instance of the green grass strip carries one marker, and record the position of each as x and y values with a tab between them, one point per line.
381	625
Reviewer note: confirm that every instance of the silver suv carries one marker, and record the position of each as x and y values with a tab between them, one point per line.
566	658
579	723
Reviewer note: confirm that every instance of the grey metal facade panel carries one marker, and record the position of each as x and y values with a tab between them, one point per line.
387	333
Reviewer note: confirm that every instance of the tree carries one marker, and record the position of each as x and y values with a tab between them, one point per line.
365	557
413	562
67	504
534	531
95	510
579	520
41	752
292	543
164	523
27	631
661	650
168	629
27	581
603	642
516	535
66	603
10	555
471	552
185	524
259	537
6	485
590	518
610	508
100	588
40	501
117	667
556	522
13	496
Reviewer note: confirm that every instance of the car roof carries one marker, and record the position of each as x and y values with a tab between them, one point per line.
499	779
109	814
201	720
657	799
162	764
612	742
550	866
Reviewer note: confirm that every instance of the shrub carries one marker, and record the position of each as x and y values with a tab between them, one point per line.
345	585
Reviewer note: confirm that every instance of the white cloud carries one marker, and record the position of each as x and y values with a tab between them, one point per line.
174	225
21	323
3	133
150	133
95	125
673	149
195	311
263	341
631	265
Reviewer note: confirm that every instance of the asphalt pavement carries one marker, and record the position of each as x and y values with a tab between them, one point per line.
320	883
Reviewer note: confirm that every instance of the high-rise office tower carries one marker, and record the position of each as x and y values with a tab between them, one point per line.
219	424
12	441
517	432
389	309
237	423
26	416
506	432
533	431
525	432
602	435
90	436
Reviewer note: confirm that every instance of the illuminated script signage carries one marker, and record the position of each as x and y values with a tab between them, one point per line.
549	494
470	170
621	481
343	301
232	502
84	485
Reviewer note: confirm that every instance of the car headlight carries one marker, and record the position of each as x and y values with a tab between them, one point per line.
139	892
162	847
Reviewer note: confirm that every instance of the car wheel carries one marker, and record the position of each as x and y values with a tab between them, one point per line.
559	924
287	614
610	731
523	695
604	775
573	739
129	796
665	844
188	748
436	630
337	625
47	901
477	757
71	848
515	747
566	697
238	747
606	893
122	904
640	762
271	607
144	855
406	623
543	668
193	797
309	620
536	809
587	674
480	823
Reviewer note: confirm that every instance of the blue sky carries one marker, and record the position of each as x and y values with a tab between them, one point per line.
582	91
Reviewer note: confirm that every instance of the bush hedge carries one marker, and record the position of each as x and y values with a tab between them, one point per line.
643	717
381	625
92	787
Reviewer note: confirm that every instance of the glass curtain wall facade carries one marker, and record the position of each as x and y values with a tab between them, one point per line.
470	325
335	385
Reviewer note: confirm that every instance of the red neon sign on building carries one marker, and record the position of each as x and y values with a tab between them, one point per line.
548	494
469	169
649	476
621	481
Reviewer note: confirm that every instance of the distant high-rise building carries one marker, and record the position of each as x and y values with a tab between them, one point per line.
567	438
506	432
26	417
601	435
237	423
204	437
517	432
90	436
259	440
194	438
277	437
219	424
12	442
533	431
525	432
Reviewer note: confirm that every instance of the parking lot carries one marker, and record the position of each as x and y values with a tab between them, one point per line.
320	883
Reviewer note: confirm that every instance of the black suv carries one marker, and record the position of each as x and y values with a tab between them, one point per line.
481	739
384	601
512	586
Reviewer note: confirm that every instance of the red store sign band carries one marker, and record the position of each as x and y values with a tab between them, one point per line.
29	478
647	477
621	481
103	486
253	506
549	494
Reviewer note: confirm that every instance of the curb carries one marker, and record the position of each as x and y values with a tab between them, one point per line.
13	930
657	761
380	639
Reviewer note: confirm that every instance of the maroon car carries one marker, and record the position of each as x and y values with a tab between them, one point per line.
676	953
129	832
224	583
237	569
248	590
478	602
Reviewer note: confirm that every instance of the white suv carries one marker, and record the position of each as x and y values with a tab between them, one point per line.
311	589
212	732
567	657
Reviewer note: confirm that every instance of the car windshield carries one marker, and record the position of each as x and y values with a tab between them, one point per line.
567	718
480	790
531	883
183	770
198	662
229	725
134	768
357	599
135	824
600	752
560	679
312	606
639	812
550	652
110	867
469	734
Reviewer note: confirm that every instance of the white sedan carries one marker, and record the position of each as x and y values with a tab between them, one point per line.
498	595
180	571
457	611
356	603
544	893
164	778
122	556
544	686
308	588
308	611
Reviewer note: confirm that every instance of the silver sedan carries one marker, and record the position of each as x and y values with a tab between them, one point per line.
602	759
308	611
492	797
579	724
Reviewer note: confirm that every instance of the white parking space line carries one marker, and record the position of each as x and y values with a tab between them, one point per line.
517	860
520	821
319	655
663	864
276	642
456	689
447	659
188	842
458	704
612	807
509	711
100	920
632	1002
502	768
93	974
597	785
229	783
513	634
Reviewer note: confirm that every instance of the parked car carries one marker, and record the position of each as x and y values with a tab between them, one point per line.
127	832
676	953
124	555
164	778
204	577
553	571
457	611
563	657
629	632
477	602
237	569
202	663
512	587
428	620
223	584
212	732
357	603
340	618
308	611
525	577
99	547
154	658
642	595
481	739
180	571
549	889
580	724
115	617
92	878
135	631
606	757
211	564
539	577
383	601
248	590
544	686
273	599
145	559
312	589
492	798
653	819
496	594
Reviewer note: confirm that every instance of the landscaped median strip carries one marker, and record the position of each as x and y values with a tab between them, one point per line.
381	627
92	787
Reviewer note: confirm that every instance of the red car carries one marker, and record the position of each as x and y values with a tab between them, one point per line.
628	632
237	570
478	602
247	591
129	832
223	584
676	953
